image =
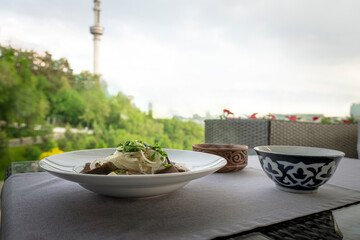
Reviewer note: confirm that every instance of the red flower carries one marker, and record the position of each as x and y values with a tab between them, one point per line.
272	116
347	121
253	116
292	118
228	112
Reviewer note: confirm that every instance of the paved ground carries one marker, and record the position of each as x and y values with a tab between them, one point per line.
58	132
24	141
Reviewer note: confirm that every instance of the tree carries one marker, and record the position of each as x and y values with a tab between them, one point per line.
35	87
68	106
96	106
22	101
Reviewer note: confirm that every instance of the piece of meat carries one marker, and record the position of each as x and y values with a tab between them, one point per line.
86	168
171	169
103	169
181	168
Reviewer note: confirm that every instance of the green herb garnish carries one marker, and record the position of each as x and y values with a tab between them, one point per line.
136	146
132	146
152	157
167	165
158	149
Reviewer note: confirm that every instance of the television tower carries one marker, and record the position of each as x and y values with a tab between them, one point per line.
97	31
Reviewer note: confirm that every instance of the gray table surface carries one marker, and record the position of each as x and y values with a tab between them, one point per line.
41	206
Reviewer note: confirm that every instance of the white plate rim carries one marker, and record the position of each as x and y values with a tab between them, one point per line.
214	165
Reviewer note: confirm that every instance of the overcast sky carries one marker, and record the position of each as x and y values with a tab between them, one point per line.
195	56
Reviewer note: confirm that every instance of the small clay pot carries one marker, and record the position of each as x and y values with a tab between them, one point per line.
235	155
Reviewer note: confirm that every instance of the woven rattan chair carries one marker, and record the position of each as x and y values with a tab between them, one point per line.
237	131
342	137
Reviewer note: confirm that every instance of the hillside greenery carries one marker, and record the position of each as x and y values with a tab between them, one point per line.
38	93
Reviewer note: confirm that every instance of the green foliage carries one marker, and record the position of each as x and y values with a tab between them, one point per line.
68	105
97	107
182	134
22	100
11	155
16	154
36	90
32	152
326	120
3	141
75	141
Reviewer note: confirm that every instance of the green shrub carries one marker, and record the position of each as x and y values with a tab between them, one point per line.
17	154
3	141
32	152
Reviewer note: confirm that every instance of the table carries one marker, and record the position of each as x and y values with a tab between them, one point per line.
41	206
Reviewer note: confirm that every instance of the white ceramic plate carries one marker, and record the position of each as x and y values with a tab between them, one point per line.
67	166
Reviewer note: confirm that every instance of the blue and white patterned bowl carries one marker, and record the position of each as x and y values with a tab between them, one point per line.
298	169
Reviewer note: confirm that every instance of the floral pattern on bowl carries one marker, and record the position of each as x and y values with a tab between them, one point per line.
298	169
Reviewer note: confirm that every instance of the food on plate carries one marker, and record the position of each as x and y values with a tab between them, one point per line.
134	157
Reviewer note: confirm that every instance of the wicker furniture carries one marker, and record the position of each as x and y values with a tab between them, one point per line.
234	131
342	137
358	141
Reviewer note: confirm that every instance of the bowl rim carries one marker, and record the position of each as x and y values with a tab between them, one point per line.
217	147
329	152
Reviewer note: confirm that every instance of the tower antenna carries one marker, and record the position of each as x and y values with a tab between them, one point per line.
97	31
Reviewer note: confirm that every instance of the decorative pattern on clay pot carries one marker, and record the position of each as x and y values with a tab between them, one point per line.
235	155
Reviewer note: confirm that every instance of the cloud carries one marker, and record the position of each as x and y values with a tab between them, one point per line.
60	38
189	57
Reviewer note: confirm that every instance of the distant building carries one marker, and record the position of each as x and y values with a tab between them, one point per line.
355	111
197	118
150	109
